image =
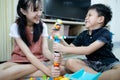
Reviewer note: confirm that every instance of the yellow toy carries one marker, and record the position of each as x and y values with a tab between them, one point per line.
58	24
64	79
31	78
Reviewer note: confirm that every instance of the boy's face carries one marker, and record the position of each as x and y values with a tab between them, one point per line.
92	20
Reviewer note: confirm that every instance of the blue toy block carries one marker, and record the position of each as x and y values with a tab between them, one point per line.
82	75
37	78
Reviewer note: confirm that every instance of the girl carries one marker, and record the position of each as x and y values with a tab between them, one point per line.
31	51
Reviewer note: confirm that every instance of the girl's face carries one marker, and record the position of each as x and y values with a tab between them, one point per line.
33	16
92	19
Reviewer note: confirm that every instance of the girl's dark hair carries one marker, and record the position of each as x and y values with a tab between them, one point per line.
22	23
103	10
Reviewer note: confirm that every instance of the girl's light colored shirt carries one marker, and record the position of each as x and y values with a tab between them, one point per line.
14	30
36	48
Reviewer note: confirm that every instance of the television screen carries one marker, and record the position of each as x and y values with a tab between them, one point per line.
66	9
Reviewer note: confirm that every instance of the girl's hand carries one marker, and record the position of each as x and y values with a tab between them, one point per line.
47	71
55	71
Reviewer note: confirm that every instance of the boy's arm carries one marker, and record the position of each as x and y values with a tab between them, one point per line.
82	50
66	44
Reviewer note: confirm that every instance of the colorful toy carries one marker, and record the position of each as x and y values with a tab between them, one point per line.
58	78
79	75
31	78
57	38
64	78
82	75
44	77
57	27
37	79
57	55
58	24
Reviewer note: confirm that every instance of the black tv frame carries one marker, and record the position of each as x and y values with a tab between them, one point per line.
84	6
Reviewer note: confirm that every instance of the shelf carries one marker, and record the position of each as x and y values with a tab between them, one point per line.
64	22
70	29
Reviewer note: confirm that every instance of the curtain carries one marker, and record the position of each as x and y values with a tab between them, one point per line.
7	17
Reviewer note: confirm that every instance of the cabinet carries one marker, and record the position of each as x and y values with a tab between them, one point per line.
70	29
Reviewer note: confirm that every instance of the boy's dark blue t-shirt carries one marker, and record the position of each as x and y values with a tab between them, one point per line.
104	54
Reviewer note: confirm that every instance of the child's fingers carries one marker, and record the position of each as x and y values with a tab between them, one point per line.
55	71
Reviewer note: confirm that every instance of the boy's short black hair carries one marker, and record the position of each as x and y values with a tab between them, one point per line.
103	10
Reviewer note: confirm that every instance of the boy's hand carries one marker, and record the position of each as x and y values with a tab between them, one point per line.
55	33
58	47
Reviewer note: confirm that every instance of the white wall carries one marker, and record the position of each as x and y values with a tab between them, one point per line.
115	22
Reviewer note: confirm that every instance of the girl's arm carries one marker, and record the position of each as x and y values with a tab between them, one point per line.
45	49
82	50
31	57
